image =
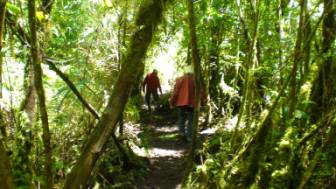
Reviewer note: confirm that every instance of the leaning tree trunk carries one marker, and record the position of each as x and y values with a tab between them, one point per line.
85	104
147	19
41	95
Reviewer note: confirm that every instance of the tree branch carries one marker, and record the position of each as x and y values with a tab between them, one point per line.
72	86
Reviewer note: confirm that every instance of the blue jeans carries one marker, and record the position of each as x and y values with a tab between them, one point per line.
185	112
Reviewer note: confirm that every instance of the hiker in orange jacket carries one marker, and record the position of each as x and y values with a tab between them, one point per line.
183	98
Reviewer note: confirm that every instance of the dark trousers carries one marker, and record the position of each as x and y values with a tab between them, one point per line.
155	97
185	113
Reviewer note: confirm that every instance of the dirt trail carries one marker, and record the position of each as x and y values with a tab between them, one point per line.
166	153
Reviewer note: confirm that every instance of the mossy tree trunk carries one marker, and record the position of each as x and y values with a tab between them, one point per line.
213	53
306	42
292	98
323	94
250	64
2	31
6	180
197	75
251	155
36	61
324	89
147	19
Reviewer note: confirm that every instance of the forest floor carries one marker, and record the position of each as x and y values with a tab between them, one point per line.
166	151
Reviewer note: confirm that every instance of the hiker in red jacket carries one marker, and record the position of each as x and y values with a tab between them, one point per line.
184	99
152	83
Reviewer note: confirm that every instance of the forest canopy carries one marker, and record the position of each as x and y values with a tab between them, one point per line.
73	113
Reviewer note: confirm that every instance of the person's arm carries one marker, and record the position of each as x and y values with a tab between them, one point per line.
175	93
144	84
160	88
158	84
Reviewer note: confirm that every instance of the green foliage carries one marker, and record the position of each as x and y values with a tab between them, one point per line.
12	8
113	172
132	109
87	40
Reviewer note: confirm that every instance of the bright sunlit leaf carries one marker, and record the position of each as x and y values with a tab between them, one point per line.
108	3
39	15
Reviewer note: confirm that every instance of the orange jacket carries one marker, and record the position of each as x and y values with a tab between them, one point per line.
184	92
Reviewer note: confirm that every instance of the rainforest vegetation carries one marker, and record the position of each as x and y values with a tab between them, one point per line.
72	111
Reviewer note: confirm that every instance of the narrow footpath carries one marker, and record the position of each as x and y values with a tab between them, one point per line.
166	152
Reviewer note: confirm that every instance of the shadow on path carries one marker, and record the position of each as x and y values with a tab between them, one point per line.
166	152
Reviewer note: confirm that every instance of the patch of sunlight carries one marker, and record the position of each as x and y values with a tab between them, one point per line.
169	136
156	152
12	80
209	131
165	62
166	129
143	152
165	65
228	89
231	123
160	152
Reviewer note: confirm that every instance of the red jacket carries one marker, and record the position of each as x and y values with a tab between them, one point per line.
152	83
184	92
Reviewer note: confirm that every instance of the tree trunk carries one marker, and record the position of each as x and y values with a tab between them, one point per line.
85	104
297	58
323	86
253	152
250	63
214	89
323	94
197	74
6	180
147	19
329	67
2	31
280	29
36	61
306	41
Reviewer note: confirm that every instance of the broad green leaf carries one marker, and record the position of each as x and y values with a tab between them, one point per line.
12	8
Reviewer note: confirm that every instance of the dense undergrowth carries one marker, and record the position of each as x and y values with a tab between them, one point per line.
290	158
